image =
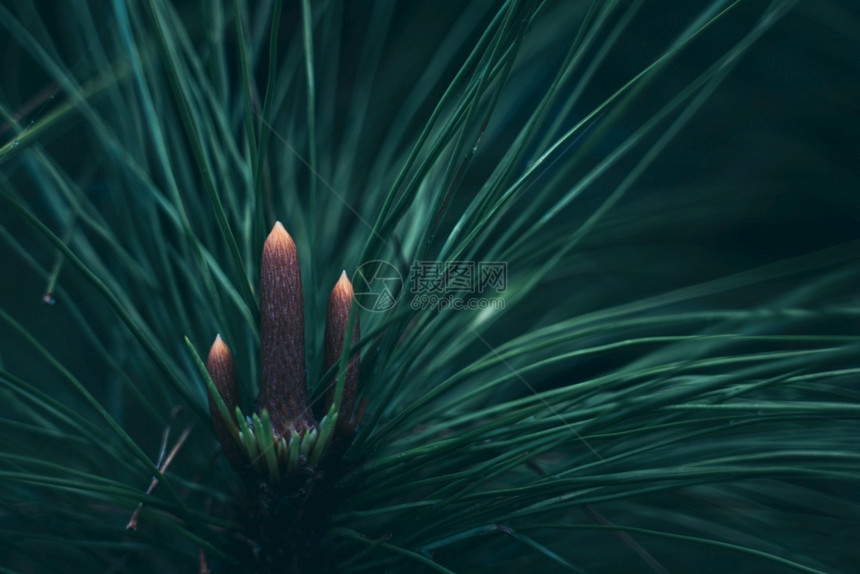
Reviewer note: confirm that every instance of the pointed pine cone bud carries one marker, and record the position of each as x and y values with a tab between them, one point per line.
219	364
336	323
283	382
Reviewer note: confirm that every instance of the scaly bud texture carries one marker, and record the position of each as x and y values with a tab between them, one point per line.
283	383
336	324
283	438
220	366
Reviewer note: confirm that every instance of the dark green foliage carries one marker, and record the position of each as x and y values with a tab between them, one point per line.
670	384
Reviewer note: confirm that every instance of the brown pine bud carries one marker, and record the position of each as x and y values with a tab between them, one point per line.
220	366
336	323
283	381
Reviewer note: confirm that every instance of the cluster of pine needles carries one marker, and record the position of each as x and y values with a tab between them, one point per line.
662	376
